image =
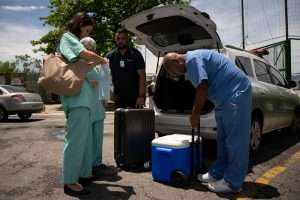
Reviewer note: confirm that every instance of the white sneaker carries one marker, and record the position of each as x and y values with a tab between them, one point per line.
221	186
206	178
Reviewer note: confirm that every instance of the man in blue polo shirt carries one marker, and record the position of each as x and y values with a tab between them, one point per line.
216	78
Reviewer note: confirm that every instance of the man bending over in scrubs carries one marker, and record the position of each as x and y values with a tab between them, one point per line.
216	78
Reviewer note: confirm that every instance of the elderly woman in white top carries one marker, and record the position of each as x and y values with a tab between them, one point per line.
100	78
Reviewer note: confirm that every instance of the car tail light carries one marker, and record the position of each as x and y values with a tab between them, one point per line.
18	97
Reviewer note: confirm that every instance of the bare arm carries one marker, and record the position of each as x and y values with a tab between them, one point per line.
140	102
93	57
142	82
199	102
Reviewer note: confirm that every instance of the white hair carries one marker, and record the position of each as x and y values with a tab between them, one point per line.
89	43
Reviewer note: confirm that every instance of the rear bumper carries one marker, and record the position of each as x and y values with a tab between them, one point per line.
166	124
27	107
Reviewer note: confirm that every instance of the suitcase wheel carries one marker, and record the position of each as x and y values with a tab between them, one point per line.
118	163
179	179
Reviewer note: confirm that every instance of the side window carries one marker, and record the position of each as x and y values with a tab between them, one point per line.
261	70
244	63
277	78
1	92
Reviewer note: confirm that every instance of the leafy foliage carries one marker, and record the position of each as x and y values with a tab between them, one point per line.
108	15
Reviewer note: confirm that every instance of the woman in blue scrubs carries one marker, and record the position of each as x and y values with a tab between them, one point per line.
215	77
78	153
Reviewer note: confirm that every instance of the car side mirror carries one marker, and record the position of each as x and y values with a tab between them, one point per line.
292	84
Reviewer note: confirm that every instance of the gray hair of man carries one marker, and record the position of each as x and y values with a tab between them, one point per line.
89	43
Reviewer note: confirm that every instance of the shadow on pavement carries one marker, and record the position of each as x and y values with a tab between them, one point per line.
19	121
254	191
274	144
109	192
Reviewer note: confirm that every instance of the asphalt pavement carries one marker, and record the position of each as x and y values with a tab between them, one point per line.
31	166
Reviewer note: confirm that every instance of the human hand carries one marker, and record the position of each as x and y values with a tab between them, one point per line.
195	120
105	61
104	103
140	102
94	83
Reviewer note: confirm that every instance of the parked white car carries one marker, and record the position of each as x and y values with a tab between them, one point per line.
181	28
16	100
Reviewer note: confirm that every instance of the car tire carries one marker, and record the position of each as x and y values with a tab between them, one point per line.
24	116
3	114
295	127
256	134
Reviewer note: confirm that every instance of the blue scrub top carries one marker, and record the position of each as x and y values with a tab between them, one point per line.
224	77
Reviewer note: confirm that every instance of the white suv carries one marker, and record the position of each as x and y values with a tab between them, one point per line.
181	28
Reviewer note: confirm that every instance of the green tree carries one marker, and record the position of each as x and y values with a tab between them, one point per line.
7	67
108	15
28	64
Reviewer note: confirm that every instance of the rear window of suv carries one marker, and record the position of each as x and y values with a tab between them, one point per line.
172	30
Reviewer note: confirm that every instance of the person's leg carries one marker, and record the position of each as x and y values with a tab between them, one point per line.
237	120
87	164
78	133
217	169
97	142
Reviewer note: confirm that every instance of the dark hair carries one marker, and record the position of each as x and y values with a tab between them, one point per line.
122	30
79	20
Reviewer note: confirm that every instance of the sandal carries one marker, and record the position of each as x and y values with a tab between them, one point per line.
71	192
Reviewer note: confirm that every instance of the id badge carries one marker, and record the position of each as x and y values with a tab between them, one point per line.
122	63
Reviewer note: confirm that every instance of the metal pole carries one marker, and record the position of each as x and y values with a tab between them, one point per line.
286	20
243	24
288	57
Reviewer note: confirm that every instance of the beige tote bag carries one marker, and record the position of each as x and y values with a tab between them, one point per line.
62	78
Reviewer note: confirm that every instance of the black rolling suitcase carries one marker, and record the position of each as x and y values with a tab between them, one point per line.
133	132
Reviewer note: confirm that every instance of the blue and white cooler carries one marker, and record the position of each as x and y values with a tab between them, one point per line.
172	158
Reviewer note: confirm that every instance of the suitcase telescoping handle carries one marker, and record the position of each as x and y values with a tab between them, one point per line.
196	154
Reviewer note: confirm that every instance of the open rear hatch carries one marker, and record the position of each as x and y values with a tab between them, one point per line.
173	28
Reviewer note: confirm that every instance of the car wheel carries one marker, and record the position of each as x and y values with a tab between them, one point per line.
256	134
295	127
3	114
24	116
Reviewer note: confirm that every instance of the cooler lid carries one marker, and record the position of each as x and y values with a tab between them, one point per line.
175	141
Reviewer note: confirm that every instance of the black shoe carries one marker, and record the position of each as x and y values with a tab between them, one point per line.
104	171
86	181
71	192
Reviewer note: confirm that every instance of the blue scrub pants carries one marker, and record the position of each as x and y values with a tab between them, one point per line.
78	152
97	142
233	135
